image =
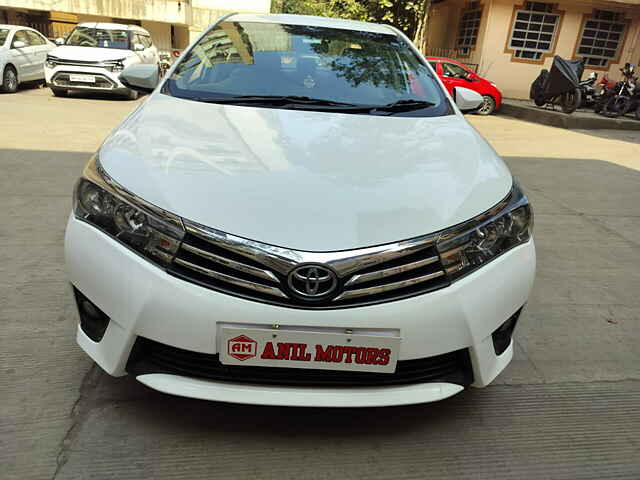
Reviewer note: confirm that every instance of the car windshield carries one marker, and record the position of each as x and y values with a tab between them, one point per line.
252	61
98	37
4	33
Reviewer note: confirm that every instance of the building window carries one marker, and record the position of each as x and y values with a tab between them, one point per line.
468	28
601	38
534	30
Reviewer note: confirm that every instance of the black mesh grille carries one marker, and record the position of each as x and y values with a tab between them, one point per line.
149	356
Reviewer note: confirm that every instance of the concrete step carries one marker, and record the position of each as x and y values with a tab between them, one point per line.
581	119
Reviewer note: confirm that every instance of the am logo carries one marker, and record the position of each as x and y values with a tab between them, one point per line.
242	347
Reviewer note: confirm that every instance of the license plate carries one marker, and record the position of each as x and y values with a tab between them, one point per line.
82	78
258	347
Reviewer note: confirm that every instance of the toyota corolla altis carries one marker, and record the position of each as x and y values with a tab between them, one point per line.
299	214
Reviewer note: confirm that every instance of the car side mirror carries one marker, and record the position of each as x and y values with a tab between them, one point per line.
19	44
467	100
142	78
138	47
59	41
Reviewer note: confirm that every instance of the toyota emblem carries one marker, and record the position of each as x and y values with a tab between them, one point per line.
312	282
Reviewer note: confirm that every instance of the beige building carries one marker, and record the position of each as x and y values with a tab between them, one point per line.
511	41
172	23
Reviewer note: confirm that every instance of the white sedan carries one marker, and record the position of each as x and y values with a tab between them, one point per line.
23	51
300	214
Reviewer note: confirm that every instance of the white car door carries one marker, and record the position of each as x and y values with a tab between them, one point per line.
20	56
40	47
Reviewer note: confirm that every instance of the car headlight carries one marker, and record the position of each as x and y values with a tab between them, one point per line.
146	229
50	62
469	246
493	84
117	66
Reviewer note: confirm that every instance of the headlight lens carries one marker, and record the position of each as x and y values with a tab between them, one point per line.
50	62
143	228
118	66
468	247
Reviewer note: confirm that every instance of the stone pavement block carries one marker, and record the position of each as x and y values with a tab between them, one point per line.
557	431
35	263
582	343
32	220
581	262
626	227
591	187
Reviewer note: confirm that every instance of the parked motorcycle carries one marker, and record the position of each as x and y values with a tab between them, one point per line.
604	90
560	85
624	97
164	64
588	90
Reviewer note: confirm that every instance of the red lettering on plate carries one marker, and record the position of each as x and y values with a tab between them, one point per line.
383	356
323	355
284	351
361	355
304	356
268	353
372	353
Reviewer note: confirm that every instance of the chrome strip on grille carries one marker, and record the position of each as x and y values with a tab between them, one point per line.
282	260
233	280
366	277
388	287
266	274
260	272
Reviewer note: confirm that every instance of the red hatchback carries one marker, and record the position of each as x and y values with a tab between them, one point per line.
456	74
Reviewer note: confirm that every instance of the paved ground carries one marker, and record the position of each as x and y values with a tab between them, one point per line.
568	407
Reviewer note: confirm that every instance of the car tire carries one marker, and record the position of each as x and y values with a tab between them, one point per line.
9	80
132	95
638	113
488	105
59	92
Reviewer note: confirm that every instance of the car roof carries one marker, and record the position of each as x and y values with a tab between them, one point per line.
17	27
313	21
113	26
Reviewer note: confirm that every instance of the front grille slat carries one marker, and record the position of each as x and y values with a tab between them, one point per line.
388	287
260	272
266	274
266	289
387	272
149	356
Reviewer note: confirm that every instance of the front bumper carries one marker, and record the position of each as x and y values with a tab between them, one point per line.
106	81
143	300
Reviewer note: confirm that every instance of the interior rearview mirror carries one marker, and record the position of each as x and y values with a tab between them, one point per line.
138	47
19	44
59	41
467	100
142	77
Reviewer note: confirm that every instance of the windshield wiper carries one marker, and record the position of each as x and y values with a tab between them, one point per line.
281	100
403	106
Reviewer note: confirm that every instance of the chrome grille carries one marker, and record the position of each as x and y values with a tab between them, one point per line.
63	79
258	271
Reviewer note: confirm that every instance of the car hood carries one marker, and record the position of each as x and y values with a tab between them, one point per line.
306	180
89	54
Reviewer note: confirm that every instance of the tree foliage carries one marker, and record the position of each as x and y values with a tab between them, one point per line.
406	15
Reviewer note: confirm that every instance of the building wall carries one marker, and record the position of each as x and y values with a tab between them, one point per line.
188	18
514	78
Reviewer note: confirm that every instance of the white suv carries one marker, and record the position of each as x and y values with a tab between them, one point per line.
94	54
300	214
